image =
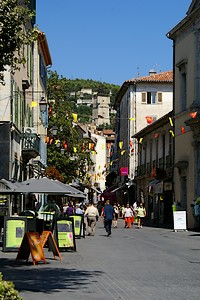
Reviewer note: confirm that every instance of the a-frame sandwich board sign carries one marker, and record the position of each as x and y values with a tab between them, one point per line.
47	237
31	244
78	225
64	234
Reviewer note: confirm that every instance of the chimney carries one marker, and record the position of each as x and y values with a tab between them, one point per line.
152	72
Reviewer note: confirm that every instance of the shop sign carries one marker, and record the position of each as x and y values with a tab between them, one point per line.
124	171
158	188
167	186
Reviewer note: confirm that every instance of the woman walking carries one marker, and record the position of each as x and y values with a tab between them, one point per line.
141	214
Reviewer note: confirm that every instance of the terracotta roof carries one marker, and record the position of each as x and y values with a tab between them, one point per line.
45	48
154	77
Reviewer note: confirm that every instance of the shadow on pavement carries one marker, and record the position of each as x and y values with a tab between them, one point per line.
42	278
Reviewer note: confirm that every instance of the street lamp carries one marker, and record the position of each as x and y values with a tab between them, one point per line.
43	105
54	130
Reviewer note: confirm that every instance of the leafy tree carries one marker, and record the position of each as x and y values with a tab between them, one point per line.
62	104
15	16
75	156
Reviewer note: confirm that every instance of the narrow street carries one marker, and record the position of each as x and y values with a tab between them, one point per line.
143	264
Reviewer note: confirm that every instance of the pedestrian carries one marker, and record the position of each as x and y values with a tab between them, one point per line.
108	216
92	215
116	215
141	214
78	210
70	209
128	214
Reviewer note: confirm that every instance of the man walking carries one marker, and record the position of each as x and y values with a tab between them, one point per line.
108	216
92	215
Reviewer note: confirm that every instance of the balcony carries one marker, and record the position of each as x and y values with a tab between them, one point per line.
30	145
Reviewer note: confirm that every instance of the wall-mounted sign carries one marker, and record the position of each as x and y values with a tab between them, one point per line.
124	171
167	186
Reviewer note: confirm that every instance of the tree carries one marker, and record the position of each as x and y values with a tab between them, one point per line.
15	30
75	157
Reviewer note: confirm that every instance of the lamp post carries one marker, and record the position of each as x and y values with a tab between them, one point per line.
43	105
54	130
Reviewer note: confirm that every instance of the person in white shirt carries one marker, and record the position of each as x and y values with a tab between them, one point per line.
92	215
128	213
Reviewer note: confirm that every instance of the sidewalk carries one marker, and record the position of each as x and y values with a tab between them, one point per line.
148	263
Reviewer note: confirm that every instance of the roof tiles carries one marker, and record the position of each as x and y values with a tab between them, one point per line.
154	77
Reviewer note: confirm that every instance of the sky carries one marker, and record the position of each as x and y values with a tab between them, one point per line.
109	40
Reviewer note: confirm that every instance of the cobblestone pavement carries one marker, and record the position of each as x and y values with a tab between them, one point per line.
141	264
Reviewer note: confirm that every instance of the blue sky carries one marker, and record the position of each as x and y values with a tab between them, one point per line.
109	40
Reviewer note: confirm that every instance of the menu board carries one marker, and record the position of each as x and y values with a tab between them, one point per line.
78	225
14	232
65	234
179	220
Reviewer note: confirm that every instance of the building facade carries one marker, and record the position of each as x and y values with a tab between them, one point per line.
186	44
22	124
140	102
154	175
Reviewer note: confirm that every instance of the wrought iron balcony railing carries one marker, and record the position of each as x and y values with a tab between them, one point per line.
30	145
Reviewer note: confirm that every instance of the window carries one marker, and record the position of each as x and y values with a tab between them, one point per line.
159	95
182	66
144	98
151	97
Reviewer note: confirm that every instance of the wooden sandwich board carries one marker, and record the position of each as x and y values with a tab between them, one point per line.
47	237
31	244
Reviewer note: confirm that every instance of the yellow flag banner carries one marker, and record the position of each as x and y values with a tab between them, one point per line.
140	141
75	150
120	145
74	117
33	104
172	133
170	121
122	152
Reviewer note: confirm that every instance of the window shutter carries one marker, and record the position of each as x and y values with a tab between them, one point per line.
144	97
159	97
154	118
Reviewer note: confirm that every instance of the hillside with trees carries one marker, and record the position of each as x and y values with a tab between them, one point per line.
61	88
67	153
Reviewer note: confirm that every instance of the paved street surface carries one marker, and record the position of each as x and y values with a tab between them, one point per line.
141	264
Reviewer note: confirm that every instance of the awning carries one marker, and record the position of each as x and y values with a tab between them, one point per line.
93	188
153	182
72	190
43	185
118	188
8	187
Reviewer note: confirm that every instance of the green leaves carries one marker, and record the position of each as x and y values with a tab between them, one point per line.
15	31
7	290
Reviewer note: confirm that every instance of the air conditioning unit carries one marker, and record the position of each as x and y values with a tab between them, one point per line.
31	130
